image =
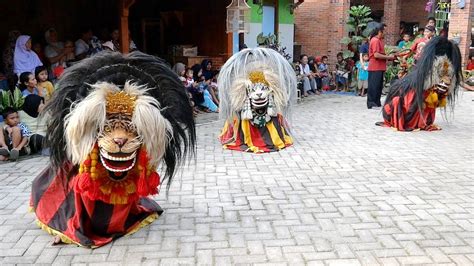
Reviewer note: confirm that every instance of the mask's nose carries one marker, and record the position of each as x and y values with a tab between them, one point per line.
120	141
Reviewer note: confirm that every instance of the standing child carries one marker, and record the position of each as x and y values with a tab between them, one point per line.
14	136
324	73
363	76
28	84
45	87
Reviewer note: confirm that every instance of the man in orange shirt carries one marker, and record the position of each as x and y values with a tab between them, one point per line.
377	66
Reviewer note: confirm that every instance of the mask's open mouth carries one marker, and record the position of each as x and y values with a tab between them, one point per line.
260	103
442	87
118	162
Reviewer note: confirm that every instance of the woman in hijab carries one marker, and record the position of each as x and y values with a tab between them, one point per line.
180	70
30	116
206	66
209	76
9	51
24	59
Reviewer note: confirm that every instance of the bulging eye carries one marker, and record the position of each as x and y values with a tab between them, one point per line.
107	129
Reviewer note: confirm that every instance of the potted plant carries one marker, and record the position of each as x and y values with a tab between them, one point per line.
270	41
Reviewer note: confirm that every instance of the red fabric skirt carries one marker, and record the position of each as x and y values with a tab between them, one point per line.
77	219
242	135
402	113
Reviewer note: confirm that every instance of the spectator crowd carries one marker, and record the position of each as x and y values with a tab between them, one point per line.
30	69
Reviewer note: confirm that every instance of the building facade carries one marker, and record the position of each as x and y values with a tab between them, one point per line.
275	17
320	24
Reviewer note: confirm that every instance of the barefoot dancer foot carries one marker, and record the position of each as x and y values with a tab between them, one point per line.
57	240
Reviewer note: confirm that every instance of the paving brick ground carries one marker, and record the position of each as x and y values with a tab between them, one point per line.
347	193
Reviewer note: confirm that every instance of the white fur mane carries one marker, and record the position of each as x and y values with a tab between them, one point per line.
234	79
87	117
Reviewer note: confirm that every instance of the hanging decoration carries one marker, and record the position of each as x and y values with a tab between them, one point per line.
238	17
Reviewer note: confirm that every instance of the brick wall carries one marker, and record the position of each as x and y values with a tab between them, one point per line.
414	11
461	22
320	25
392	15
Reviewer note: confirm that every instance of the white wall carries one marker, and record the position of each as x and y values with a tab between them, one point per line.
250	38
286	35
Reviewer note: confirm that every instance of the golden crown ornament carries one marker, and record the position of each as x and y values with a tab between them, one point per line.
120	102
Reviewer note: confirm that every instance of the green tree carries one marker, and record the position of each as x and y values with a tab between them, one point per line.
359	17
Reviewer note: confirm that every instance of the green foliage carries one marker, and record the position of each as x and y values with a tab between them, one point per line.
347	54
346	40
270	41
391	73
391	49
359	17
14	100
266	40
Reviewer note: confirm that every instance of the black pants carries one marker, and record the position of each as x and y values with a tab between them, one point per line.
36	143
374	91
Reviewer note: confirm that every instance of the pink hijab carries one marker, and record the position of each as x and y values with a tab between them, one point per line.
24	60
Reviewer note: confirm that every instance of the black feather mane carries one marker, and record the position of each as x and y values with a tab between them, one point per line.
415	80
162	83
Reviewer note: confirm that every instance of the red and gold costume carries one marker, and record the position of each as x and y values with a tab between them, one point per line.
111	125
412	101
257	88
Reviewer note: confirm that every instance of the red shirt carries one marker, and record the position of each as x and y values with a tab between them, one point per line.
470	66
417	47
376	46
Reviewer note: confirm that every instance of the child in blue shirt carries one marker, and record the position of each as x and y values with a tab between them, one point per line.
363	76
14	136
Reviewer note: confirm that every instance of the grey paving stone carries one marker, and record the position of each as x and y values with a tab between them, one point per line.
346	193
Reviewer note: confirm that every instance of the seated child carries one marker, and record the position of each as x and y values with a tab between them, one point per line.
28	84
342	75
363	75
45	87
14	136
324	73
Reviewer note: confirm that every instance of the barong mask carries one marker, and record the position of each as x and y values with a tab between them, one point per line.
117	119
259	106
256	85
257	95
442	77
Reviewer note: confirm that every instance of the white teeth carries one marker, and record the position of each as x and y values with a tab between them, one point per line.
117	170
107	156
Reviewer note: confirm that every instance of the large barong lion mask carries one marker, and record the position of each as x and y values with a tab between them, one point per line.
256	84
116	119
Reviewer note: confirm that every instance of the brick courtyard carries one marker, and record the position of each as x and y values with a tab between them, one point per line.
347	193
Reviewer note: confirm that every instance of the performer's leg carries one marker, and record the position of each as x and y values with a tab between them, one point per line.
372	89
380	75
306	86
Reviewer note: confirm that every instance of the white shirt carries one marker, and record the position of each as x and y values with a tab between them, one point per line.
50	51
304	69
81	47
